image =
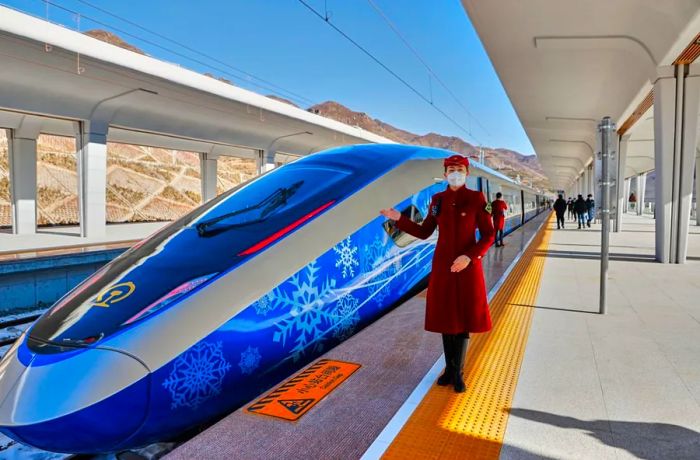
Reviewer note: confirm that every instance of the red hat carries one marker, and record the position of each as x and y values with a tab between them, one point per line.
456	160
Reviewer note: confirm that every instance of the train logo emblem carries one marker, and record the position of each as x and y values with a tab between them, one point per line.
114	294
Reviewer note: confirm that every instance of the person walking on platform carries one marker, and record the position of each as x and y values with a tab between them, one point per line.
570	207
456	303
580	209
633	201
560	208
590	209
498	210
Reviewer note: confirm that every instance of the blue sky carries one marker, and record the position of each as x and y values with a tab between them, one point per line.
282	42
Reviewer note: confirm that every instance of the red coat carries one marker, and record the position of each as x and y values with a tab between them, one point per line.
498	210
456	301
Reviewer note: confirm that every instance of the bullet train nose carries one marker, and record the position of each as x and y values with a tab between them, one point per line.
76	401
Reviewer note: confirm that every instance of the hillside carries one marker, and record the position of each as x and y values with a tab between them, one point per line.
506	161
109	37
143	183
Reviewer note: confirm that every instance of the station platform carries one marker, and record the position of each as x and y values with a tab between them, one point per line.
395	353
553	379
622	385
68	240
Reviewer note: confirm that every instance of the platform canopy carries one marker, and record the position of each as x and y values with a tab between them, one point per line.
567	64
59	76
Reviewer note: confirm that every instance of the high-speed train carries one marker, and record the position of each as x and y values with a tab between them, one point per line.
215	308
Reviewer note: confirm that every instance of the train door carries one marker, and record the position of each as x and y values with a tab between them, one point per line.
484	187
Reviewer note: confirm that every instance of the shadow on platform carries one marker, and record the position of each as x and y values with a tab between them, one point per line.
598	245
539	307
45	231
644	440
614	256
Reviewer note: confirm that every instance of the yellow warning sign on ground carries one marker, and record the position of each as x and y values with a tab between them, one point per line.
298	395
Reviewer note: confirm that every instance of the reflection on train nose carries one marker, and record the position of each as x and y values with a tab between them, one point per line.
71	396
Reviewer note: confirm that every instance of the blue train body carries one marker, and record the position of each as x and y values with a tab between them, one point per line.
327	300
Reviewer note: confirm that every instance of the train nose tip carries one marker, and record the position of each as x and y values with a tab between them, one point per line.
82	401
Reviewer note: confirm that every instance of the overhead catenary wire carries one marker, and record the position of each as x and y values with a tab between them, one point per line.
246	78
200	53
175	95
431	72
388	69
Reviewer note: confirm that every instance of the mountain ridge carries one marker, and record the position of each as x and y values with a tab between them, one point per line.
506	161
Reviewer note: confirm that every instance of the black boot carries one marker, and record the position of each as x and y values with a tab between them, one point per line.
448	347
460	351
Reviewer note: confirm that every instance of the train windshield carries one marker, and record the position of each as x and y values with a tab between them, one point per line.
188	253
251	214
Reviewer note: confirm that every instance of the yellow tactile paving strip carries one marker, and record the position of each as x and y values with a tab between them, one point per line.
472	425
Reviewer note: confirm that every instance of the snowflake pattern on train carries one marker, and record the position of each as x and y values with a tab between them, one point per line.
378	280
306	300
250	360
347	257
264	304
346	316
323	302
197	375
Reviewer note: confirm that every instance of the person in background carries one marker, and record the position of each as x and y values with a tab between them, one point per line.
498	211
570	207
456	304
580	209
560	208
590	209
633	201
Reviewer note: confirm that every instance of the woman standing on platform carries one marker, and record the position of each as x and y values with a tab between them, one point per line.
498	210
456	303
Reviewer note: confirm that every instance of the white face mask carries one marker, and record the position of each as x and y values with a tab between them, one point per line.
456	179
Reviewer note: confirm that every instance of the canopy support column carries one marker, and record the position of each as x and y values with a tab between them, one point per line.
208	166
676	103
23	188
641	192
620	198
697	187
265	161
92	177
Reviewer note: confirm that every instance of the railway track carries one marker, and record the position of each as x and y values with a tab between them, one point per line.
12	327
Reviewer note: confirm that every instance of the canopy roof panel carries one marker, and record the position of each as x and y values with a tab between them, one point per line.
565	65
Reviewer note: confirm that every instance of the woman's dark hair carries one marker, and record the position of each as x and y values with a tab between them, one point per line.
499	194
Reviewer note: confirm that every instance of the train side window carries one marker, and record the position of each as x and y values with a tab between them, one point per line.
401	238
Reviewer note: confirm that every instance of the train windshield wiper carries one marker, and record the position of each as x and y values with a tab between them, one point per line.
268	206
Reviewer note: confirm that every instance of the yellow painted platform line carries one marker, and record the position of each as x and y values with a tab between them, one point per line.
471	425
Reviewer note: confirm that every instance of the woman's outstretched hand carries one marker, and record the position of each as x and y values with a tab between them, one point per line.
390	213
460	264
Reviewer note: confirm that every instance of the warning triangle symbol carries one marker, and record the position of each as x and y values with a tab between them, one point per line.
295	406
